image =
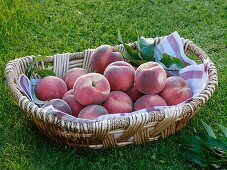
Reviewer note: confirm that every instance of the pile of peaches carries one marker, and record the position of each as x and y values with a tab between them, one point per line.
115	86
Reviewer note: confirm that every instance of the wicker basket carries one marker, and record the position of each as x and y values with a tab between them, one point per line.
142	128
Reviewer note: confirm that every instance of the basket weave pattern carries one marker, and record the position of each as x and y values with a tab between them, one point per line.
138	129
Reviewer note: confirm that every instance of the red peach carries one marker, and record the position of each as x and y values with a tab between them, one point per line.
103	56
149	100
72	75
176	91
92	112
150	78
118	102
69	92
70	99
91	88
50	87
134	94
120	75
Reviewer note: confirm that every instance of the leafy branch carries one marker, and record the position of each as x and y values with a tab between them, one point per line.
144	52
30	70
205	149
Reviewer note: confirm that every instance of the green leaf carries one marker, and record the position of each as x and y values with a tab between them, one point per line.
212	160
126	55
194	141
223	139
212	143
168	60
178	62
195	131
132	52
146	49
208	129
45	73
223	166
138	62
195	158
197	151
216	163
205	149
41	72
32	71
35	61
224	130
206	144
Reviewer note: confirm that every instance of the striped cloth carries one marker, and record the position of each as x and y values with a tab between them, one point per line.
195	75
172	45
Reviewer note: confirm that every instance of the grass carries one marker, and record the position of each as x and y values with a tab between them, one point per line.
48	27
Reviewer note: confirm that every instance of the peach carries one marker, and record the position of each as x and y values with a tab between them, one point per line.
118	102
150	78
120	75
133	93
176	91
72	75
92	112
149	100
59	105
69	92
103	56
91	88
70	99
50	87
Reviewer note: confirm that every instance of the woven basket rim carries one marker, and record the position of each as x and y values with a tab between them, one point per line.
33	110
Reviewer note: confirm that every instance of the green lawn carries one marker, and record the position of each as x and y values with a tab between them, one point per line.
47	27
